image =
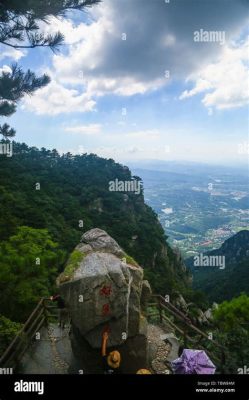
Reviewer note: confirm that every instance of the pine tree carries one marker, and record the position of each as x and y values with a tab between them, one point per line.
19	29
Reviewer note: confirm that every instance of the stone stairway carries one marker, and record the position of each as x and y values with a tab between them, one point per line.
50	354
163	348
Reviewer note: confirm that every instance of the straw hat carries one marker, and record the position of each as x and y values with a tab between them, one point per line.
143	371
113	359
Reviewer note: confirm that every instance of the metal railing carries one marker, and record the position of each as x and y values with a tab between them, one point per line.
183	325
164	311
16	349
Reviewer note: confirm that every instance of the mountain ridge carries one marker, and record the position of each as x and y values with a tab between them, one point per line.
67	195
224	284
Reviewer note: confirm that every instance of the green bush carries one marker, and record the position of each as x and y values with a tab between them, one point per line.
8	330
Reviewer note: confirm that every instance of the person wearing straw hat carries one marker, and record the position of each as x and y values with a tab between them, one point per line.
143	371
111	362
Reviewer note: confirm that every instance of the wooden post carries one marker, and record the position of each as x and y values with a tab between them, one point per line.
160	310
185	337
45	311
223	361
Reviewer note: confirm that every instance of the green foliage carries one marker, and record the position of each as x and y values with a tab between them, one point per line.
130	260
234	313
198	298
8	330
29	262
75	258
75	188
154	317
224	284
232	331
236	349
220	285
14	84
19	21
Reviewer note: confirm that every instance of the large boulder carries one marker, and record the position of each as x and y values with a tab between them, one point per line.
145	294
102	289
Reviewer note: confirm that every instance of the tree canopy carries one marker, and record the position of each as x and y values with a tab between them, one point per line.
29	263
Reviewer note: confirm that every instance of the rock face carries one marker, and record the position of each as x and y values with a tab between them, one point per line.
181	303
145	294
104	291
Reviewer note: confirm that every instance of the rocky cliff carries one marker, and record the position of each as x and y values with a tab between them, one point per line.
74	196
104	290
224	284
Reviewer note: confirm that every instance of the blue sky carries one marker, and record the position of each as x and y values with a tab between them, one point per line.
156	95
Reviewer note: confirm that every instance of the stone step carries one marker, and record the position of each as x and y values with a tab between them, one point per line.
175	344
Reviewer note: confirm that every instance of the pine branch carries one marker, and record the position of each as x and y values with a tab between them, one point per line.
15	84
7	108
18	21
7	131
19	29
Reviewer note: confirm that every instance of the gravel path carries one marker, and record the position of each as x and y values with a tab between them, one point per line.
158	350
52	354
60	365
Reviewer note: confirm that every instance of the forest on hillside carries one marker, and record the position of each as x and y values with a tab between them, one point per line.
109	75
48	202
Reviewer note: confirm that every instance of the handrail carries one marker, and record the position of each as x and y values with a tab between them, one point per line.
21	331
40	315
184	318
21	341
163	305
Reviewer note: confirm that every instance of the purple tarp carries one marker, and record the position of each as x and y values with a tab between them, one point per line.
193	362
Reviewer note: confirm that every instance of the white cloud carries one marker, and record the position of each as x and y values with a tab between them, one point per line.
55	99
168	40
72	33
99	62
5	68
84	129
225	83
104	63
123	86
201	85
146	134
11	53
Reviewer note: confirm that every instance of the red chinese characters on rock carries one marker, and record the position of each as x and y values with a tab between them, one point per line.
106	309
105	291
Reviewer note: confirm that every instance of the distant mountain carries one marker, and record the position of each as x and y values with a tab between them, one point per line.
190	168
223	283
235	249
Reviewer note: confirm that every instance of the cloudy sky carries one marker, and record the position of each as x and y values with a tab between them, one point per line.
133	83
